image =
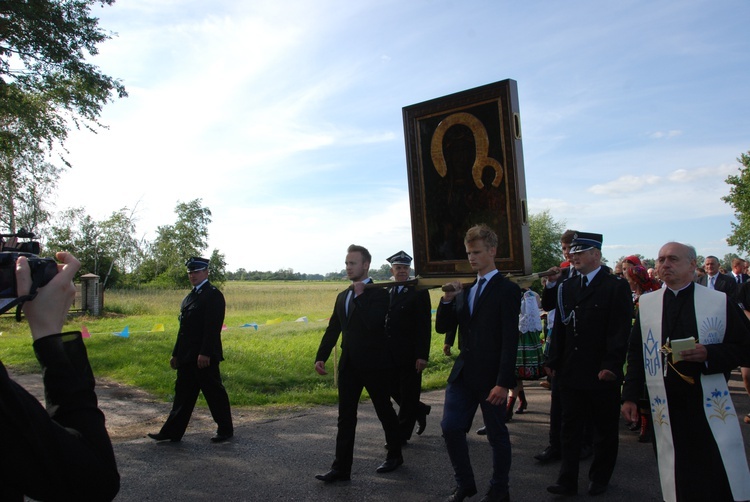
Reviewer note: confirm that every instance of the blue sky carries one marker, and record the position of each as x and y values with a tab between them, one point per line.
285	117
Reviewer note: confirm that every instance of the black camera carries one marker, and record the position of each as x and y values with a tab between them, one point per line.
42	269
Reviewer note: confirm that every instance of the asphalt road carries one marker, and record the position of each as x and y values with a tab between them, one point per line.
275	457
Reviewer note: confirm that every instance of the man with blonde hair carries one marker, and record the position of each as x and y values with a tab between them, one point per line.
486	316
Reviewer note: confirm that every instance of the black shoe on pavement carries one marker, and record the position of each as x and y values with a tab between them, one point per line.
596	488
422	419
390	464
460	493
482	431
562	490
159	436
496	495
549	454
220	438
333	475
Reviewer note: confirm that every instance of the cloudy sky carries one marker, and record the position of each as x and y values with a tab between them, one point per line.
285	117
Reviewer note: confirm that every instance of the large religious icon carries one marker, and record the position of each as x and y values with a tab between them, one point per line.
465	164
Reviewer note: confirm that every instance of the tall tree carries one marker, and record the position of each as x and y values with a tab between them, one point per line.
218	269
106	248
739	199
175	243
545	235
27	180
46	86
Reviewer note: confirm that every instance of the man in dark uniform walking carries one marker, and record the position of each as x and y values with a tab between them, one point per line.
408	328
196	357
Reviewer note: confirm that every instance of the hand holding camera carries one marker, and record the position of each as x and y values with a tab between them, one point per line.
47	312
41	270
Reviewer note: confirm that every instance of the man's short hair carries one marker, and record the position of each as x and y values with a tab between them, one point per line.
690	251
481	232
736	261
712	257
366	256
567	236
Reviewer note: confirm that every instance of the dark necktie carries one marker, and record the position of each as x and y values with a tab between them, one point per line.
480	283
348	304
584	281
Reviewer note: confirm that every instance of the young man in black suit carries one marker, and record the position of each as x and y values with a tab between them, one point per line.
365	363
587	352
196	357
408	329
486	315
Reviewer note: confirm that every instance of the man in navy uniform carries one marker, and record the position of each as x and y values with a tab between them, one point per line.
587	352
408	328
196	357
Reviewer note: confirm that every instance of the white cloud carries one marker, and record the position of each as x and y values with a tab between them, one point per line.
663	134
624	185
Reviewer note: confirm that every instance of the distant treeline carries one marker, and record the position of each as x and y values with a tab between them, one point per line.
288	274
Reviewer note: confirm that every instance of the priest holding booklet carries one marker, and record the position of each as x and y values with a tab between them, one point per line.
699	446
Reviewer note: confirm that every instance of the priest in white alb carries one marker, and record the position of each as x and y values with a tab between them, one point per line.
685	341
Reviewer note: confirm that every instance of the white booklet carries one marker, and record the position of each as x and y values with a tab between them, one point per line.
680	345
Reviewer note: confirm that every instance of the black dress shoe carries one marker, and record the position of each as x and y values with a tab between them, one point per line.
596	488
548	455
586	452
461	493
333	475
159	436
495	495
422	419
390	464
562	490
220	438
482	431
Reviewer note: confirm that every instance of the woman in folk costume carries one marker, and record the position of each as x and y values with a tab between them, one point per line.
530	359
685	339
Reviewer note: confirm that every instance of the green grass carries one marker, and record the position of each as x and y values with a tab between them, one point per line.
272	366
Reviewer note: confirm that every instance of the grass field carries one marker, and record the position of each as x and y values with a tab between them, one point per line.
270	366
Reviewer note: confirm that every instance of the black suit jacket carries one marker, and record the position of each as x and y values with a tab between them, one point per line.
596	337
724	283
408	325
489	337
363	343
201	321
63	452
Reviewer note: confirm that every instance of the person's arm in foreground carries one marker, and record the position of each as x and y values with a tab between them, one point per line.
63	452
